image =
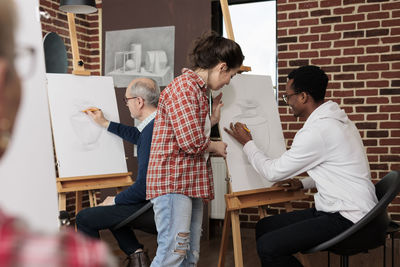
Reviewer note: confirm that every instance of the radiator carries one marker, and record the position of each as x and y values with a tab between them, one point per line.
220	186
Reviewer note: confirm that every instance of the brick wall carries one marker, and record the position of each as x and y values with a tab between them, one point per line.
357	42
87	28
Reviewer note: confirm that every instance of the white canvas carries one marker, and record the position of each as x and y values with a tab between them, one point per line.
250	99
83	147
27	173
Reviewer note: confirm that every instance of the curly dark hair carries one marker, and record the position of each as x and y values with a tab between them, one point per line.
310	79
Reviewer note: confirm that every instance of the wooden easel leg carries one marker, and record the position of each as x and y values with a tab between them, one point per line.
224	241
92	198
237	240
78	201
62	201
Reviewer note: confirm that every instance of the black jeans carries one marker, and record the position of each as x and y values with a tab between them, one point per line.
280	236
91	220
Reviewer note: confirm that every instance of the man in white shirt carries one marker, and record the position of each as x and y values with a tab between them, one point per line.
329	148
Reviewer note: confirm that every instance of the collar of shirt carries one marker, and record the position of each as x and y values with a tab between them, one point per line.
193	75
146	121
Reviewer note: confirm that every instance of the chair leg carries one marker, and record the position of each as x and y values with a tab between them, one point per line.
384	253
392	237
329	259
344	261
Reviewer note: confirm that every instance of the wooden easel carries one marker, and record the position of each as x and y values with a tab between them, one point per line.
235	201
89	183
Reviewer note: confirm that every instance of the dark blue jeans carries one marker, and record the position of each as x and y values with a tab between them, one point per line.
91	220
280	236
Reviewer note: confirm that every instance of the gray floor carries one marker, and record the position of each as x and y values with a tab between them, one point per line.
210	252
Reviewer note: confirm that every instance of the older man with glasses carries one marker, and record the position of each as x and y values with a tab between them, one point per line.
141	97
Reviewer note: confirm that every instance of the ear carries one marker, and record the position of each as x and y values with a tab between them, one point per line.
222	66
304	97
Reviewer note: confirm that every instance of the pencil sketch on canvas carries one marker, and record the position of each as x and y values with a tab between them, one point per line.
249	99
145	52
83	147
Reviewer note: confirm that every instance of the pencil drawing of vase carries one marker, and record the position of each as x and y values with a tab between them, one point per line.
258	125
137	48
87	132
156	61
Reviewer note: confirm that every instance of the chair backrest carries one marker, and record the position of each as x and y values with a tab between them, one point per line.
370	231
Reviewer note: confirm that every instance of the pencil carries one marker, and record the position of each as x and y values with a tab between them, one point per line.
247	129
90	109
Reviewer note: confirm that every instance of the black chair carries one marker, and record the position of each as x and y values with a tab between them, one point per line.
391	230
143	220
370	231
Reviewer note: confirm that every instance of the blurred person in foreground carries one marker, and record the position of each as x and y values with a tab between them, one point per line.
19	246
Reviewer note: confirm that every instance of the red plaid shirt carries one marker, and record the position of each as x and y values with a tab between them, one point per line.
177	163
18	247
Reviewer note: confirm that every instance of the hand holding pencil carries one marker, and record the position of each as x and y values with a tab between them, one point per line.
240	132
97	115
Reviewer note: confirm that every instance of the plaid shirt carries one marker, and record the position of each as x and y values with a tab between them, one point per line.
177	158
19	247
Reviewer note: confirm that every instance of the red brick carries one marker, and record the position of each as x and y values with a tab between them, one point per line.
310	54
377	117
321	61
367	76
309	38
369	8
377	100
353	84
356	117
378	166
366	59
302	46
395	31
320	13
282	32
391	40
298	15
368	25
319	29
329	53
378	15
318	45
379	83
391	74
368	41
307	22
377	150
378	66
281	16
344	77
390	108
357	17
367	92
330	36
343	93
344	60
287	7
344	27
286	24
344	43
341	10
353	51
395	133
298	31
287	55
391	23
395	116
378	49
390	125
390	6
308	5
330	3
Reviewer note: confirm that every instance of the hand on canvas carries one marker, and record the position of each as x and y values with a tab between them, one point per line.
216	109
98	117
217	147
240	132
289	184
109	201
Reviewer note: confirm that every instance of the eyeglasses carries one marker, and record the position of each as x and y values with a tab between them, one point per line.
286	97
126	99
24	61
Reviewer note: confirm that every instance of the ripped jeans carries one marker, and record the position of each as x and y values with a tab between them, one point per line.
178	220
